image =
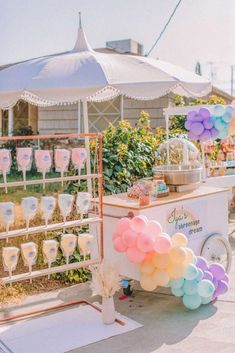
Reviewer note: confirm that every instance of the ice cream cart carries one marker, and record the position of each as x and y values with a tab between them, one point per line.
200	214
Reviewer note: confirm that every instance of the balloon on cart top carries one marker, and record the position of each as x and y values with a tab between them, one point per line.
202	125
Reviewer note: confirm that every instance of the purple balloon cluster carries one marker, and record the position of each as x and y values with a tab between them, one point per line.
216	274
200	125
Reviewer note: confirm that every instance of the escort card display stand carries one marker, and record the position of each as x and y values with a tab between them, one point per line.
92	177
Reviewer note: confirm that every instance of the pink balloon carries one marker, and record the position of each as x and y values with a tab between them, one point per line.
162	244
139	223
129	237
154	228
122	225
119	245
233	103
115	235
135	255
145	242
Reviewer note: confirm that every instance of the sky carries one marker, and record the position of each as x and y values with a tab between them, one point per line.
201	30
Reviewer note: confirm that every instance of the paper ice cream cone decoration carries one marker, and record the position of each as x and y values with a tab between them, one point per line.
29	254
50	251
7	215
62	158
65	202
5	164
43	163
79	158
47	206
29	208
10	257
85	242
24	160
83	202
68	245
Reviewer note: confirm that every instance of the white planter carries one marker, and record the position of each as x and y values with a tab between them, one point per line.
108	310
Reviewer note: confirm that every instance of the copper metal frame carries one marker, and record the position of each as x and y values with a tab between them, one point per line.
100	178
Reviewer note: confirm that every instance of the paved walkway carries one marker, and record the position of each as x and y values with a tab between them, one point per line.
168	326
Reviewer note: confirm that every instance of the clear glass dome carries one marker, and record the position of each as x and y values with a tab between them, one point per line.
177	153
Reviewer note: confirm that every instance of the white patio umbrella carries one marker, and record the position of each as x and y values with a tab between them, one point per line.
83	74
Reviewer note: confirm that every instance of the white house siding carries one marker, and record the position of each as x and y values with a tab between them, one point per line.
64	119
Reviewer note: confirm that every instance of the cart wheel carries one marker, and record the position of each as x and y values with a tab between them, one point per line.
216	248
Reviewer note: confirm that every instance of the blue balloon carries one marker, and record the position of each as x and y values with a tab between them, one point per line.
200	275
192	302
227	117
191	272
220	124
190	287
207	300
178	292
229	109
206	288
177	283
218	110
222	134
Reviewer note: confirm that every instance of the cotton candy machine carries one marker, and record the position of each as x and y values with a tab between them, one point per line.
178	161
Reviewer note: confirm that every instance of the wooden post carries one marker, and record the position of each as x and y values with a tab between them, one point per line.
10	121
1	117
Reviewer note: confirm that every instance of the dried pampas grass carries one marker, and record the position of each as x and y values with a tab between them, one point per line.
105	279
11	295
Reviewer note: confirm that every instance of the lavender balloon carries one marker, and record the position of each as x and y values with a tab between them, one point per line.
208	275
202	263
187	124
217	271
192	136
197	128
191	115
205	136
204	113
214	133
222	287
208	124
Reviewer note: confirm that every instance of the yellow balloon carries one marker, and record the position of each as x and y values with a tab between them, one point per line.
147	283
147	268
179	239
161	261
161	278
190	255
177	255
176	270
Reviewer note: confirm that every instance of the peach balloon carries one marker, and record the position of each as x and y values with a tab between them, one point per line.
179	239
146	268
122	225
129	237
154	228
149	256
139	223
162	244
177	255
135	255
147	283
176	271
161	261
145	242
161	278
119	245
190	255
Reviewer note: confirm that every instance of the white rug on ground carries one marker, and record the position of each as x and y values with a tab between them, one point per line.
61	331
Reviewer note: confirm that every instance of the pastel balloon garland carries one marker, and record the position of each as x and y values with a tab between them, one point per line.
203	126
167	261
